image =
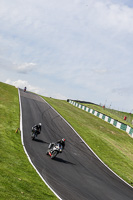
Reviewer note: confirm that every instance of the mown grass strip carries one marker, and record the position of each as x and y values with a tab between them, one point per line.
112	145
18	179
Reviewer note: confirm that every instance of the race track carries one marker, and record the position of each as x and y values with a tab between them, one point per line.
76	174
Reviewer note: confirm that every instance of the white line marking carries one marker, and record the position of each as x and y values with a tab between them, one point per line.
88	146
21	130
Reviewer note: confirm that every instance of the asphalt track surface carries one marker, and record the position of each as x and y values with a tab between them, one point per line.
76	174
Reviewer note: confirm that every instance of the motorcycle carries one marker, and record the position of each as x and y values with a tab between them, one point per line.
34	134
54	150
25	89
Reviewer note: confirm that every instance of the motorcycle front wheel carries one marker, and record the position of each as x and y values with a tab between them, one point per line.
33	136
54	154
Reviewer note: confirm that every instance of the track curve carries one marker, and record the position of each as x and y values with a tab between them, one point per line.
76	173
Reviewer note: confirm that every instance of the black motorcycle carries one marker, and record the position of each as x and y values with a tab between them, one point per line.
54	150
34	134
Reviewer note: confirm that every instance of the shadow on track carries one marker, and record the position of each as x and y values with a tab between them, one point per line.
41	141
63	161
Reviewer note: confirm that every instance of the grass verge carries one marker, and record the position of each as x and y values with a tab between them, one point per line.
18	179
115	114
112	145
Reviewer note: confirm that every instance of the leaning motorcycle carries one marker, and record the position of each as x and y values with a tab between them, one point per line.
34	134
54	150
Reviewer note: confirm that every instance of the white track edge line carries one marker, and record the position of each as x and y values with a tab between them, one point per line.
88	146
21	131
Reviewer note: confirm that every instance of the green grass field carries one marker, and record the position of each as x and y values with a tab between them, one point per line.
113	146
18	179
115	114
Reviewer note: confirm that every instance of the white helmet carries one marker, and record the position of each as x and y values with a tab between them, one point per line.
63	140
40	124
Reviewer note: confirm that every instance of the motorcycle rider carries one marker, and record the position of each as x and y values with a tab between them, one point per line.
62	142
25	89
37	128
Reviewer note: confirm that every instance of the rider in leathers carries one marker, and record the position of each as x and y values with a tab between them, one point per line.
62	142
37	128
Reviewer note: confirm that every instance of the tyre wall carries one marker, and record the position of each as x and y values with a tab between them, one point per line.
108	119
